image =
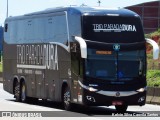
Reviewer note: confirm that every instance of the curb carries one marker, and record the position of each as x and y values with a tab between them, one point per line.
156	96
150	93
153	95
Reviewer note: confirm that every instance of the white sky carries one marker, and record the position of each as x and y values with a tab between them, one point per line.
20	7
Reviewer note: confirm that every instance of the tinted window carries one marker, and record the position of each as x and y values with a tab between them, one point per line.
37	30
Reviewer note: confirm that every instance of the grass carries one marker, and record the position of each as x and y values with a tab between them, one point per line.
153	78
1	69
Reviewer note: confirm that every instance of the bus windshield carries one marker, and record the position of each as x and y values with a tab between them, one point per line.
111	65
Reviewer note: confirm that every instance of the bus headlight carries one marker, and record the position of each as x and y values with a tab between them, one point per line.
92	89
142	89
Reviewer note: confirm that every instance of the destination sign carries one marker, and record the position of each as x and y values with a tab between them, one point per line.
114	28
104	52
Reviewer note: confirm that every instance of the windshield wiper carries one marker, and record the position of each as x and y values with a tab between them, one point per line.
140	67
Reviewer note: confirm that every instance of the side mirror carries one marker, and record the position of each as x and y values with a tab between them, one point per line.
83	46
155	48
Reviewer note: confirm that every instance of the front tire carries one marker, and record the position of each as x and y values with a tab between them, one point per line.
67	98
121	108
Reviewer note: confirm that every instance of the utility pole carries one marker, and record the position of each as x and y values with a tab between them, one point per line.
7	10
99	2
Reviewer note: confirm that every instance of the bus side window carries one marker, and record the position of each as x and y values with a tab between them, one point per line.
6	27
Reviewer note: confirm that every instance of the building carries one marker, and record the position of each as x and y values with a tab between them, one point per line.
150	15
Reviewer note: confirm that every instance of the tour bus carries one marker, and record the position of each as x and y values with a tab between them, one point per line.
89	56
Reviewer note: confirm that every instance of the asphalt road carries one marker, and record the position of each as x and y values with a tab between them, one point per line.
51	109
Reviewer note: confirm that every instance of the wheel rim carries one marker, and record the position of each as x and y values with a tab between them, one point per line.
67	98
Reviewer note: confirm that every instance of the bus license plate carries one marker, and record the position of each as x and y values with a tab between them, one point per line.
117	103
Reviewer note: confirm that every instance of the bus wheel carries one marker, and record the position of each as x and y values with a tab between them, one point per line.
121	108
23	92
67	98
17	92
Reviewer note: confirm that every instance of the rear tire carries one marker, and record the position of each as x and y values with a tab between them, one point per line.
23	92
121	108
67	99
17	92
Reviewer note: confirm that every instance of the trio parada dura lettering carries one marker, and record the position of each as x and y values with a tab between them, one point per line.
114	27
37	56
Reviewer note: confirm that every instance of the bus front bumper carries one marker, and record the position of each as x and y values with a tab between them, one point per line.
108	98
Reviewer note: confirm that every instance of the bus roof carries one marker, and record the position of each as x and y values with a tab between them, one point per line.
83	11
